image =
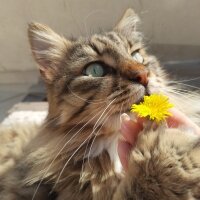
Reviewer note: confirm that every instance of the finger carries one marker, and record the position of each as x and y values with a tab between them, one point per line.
179	119
124	149
130	129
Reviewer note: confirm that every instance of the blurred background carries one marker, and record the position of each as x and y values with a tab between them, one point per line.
171	29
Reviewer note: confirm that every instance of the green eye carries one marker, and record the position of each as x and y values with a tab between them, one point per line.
138	57
95	70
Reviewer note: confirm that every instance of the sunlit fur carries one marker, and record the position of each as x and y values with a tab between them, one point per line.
74	154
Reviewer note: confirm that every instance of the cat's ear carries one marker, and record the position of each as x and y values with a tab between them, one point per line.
128	23
48	49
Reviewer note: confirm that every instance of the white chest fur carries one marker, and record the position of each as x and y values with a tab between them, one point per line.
110	145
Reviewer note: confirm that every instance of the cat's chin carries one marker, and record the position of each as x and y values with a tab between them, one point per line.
138	101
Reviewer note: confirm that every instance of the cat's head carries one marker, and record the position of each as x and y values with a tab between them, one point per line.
103	73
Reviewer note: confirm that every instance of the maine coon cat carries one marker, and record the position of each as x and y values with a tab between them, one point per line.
73	155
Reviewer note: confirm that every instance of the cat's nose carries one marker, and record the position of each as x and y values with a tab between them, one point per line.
135	72
140	77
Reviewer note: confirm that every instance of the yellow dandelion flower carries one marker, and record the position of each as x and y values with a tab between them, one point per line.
155	106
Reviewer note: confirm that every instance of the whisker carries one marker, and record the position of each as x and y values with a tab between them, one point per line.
85	100
185	93
187	85
106	116
84	158
79	148
182	98
103	113
185	80
120	112
62	149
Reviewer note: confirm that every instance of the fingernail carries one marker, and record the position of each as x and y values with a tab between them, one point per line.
124	118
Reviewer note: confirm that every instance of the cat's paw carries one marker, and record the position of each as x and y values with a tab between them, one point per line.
164	164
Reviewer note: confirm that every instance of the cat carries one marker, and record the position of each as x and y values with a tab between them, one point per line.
73	155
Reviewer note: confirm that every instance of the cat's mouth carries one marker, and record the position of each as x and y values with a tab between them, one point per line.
139	100
135	97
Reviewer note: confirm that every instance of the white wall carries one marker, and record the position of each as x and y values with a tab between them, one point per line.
175	22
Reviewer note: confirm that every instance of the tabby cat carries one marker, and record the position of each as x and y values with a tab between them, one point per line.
73	155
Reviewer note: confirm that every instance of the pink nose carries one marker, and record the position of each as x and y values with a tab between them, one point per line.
141	77
135	72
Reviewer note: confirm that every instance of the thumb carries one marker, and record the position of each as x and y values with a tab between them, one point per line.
124	149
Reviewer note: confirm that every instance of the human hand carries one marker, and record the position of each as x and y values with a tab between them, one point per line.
130	130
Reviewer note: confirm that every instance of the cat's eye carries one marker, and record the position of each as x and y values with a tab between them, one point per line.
95	70
137	57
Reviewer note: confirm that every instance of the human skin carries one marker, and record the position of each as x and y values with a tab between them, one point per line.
130	130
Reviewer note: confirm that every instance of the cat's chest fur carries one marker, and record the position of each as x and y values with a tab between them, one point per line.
109	143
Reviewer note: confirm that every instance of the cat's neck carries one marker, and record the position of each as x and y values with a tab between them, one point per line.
61	151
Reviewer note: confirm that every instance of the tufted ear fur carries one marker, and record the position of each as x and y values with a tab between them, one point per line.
128	23
48	49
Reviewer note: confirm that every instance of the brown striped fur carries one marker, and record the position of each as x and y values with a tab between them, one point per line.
73	155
